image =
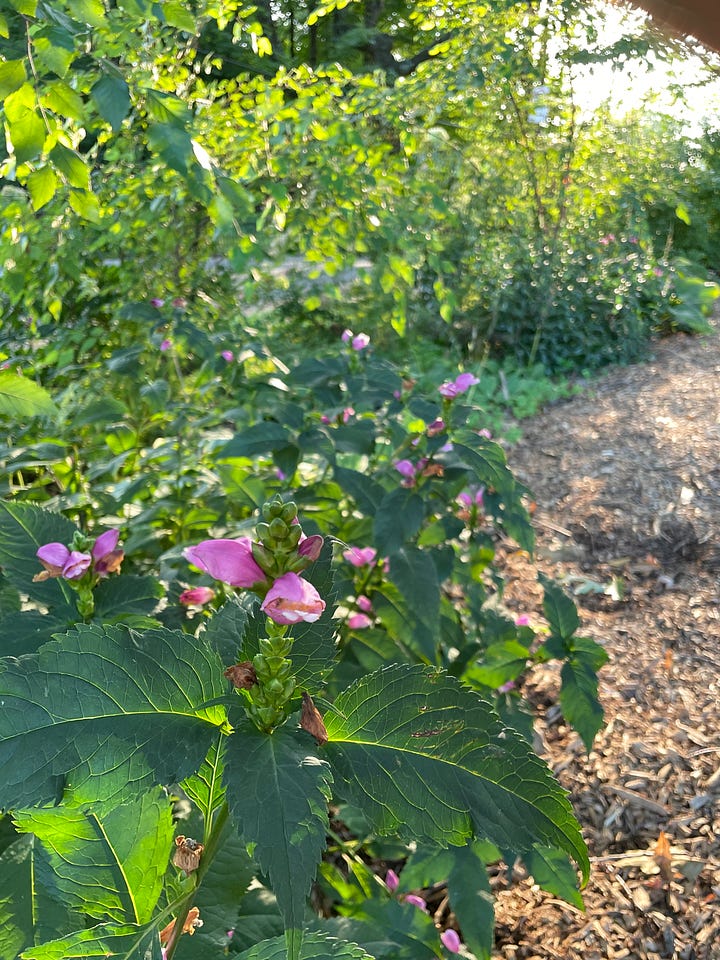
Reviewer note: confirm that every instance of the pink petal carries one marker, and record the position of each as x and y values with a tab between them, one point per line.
228	560
105	544
360	556
464	381
416	902
364	604
196	596
53	554
76	565
310	547
293	600
392	881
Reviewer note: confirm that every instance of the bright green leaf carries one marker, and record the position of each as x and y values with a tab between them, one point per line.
71	166
42	184
12	76
109	941
21	397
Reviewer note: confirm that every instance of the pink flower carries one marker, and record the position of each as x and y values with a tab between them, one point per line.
157	303
364	604
360	342
506	687
359	621
485	433
347	413
347	336
632	240
228	560
657	271
106	555
165	345
392	881
310	547
467	498
522	621
228	355
324	418
60	561
180	302
450	940
406	468
437	426
607	239
416	902
360	556
293	600
459	385
196	596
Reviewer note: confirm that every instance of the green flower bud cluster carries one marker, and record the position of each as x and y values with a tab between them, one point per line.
275	683
278	537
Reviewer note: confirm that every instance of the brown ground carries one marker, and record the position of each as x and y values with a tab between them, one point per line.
627	483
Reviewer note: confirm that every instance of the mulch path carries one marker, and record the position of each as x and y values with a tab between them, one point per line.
626	480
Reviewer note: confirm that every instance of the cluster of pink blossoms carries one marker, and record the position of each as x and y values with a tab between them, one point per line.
461	384
61	561
358	341
288	599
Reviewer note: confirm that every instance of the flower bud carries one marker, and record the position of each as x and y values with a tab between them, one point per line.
293	536
272	508
262	530
278	529
289	512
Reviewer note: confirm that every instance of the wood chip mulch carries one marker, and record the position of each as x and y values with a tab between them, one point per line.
626	480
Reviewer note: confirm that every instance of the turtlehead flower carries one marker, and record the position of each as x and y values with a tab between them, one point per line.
157	303
450	940
506	687
406	469
360	556
293	600
196	596
228	355
436	427
165	345
347	336
359	621
392	881
106	555
461	383
60	561
360	341
363	603
522	621
228	560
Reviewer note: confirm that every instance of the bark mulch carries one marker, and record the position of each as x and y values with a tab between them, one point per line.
626	481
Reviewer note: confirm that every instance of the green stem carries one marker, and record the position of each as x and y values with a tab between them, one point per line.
211	848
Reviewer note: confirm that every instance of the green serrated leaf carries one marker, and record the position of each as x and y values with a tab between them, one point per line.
54	49
113	941
112	98
117	597
551	870
205	788
414	574
559	609
472	900
501	662
25	126
390	930
12	76
23	528
60	97
19	396
315	946
410	732
109	868
579	697
398	519
30	909
71	166
41	184
277	792
101	696
88	11
85	204
262	438
177	15
27	7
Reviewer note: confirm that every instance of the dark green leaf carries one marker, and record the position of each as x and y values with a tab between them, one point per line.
472	900
579	697
559	609
315	946
551	869
112	98
410	732
277	791
106	695
398	519
117	597
24	528
262	438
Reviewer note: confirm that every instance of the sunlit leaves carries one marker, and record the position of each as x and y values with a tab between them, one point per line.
20	396
109	868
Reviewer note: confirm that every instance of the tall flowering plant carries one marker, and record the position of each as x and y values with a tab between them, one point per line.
108	724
